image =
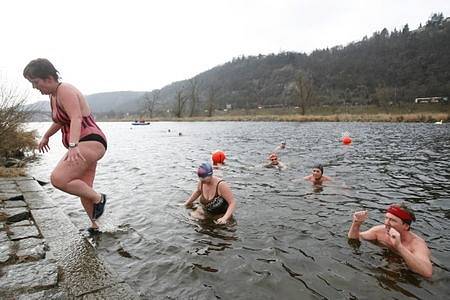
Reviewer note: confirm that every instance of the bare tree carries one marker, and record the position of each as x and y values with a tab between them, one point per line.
193	84
384	96
150	99
303	91
14	139
256	89
12	113
179	104
211	101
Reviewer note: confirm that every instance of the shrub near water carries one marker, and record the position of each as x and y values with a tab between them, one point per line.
15	141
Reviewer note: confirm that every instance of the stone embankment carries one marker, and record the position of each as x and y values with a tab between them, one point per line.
43	255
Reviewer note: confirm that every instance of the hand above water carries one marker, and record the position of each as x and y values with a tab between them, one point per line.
43	145
394	237
74	155
360	216
222	220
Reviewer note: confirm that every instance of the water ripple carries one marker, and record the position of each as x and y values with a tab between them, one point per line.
288	238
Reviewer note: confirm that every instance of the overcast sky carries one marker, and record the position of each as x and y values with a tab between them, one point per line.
102	46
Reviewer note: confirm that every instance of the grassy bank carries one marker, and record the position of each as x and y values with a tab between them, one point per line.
427	113
380	117
12	172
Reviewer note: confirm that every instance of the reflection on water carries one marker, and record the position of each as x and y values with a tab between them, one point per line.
288	240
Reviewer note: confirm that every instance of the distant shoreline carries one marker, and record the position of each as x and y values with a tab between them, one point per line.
381	117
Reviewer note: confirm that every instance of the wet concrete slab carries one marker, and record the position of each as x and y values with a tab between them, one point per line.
23	232
8	194
29	185
43	255
52	294
38	199
5	251
8	185
30	249
16	214
16	203
28	276
3	236
22	223
84	271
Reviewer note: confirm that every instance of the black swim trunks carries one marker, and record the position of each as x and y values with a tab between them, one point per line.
94	137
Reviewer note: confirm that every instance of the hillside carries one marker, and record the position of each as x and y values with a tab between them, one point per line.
390	66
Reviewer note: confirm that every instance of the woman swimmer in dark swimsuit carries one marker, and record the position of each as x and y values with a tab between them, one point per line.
216	198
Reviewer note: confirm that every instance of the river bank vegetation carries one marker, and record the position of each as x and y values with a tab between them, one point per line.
17	144
424	113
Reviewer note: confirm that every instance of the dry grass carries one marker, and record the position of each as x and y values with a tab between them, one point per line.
12	172
377	117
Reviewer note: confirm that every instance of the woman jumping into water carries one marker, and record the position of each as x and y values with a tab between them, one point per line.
84	140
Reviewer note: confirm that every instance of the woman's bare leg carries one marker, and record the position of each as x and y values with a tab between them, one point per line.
88	205
75	177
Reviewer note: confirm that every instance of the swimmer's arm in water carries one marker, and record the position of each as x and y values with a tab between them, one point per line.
417	261
227	194
326	178
193	196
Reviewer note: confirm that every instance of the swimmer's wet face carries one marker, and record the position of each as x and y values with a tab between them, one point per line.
206	179
317	173
399	218
392	221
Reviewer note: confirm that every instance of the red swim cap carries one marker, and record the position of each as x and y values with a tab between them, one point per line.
218	157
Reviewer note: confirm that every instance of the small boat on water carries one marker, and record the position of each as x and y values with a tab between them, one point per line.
140	123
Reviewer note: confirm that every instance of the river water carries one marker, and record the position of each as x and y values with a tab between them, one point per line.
289	238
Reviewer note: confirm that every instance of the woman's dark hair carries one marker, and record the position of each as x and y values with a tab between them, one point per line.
319	166
40	68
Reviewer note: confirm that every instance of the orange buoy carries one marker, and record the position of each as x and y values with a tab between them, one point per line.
218	157
346	140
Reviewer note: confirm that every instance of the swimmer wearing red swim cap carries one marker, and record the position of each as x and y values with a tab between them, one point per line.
396	234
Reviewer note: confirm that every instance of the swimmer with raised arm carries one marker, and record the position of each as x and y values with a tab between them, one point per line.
396	234
216	197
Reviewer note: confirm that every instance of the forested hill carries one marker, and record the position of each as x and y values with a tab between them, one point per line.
390	65
406	63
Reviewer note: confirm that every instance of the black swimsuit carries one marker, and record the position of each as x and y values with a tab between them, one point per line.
218	205
96	138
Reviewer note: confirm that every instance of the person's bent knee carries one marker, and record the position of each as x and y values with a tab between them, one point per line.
56	181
